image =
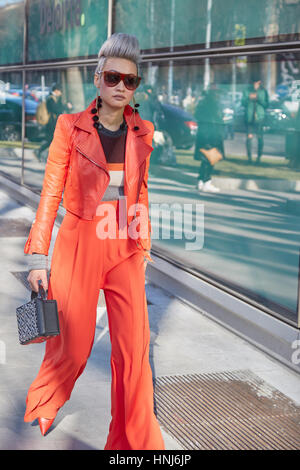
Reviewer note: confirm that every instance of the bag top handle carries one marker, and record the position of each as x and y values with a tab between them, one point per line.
41	293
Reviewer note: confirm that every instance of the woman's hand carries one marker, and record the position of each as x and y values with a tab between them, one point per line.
34	276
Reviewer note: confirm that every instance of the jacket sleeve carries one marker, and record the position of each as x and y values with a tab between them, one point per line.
54	181
145	243
36	261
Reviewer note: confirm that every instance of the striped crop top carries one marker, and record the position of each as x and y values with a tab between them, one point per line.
114	143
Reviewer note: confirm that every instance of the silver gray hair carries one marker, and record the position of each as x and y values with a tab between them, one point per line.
121	45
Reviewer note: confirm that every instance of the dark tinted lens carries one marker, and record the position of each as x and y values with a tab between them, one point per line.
112	78
131	82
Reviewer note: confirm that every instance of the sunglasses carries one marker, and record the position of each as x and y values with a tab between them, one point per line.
130	80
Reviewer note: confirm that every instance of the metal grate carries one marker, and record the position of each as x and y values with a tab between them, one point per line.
228	410
22	277
14	227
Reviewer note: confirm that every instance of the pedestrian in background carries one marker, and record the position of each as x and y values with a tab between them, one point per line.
256	101
208	114
55	107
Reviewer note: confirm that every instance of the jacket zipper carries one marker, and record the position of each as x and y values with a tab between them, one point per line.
99	166
95	163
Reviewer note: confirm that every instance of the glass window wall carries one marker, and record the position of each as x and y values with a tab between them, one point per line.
11	96
188	24
248	203
65	29
55	92
11	31
235	221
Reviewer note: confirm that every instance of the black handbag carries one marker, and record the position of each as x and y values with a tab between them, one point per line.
38	319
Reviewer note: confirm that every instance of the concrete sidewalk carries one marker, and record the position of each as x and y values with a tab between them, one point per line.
183	341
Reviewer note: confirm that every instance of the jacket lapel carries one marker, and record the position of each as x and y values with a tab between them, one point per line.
136	151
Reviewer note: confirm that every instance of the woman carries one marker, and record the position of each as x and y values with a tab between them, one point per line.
209	135
100	158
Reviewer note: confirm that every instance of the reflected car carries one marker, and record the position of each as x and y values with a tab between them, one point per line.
39	92
276	120
232	114
19	92
179	124
11	118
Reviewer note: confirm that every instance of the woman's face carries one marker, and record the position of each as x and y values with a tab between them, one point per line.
108	93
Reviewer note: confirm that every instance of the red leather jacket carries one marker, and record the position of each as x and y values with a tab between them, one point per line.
77	167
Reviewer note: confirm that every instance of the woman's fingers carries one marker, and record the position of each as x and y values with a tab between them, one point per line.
36	275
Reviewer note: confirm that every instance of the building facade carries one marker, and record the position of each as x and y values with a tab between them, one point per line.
215	74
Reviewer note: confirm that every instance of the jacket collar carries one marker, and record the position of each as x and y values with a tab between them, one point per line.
136	151
85	121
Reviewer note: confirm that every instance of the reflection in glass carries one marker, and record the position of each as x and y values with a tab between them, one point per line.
11	31
53	92
255	101
249	198
11	123
189	23
249	111
65	29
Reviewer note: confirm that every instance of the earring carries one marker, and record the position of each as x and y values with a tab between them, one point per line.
136	105
95	111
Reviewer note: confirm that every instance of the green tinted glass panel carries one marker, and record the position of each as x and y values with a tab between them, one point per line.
65	28
171	23
11	31
77	91
237	221
11	124
245	209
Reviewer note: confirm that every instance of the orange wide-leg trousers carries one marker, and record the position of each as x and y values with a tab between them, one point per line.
83	263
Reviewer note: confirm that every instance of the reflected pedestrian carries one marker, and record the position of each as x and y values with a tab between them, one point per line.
255	100
55	107
208	114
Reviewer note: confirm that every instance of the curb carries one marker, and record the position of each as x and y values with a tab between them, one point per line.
287	191
285	186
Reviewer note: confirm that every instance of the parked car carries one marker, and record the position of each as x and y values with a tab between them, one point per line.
179	124
19	92
11	118
39	92
276	118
